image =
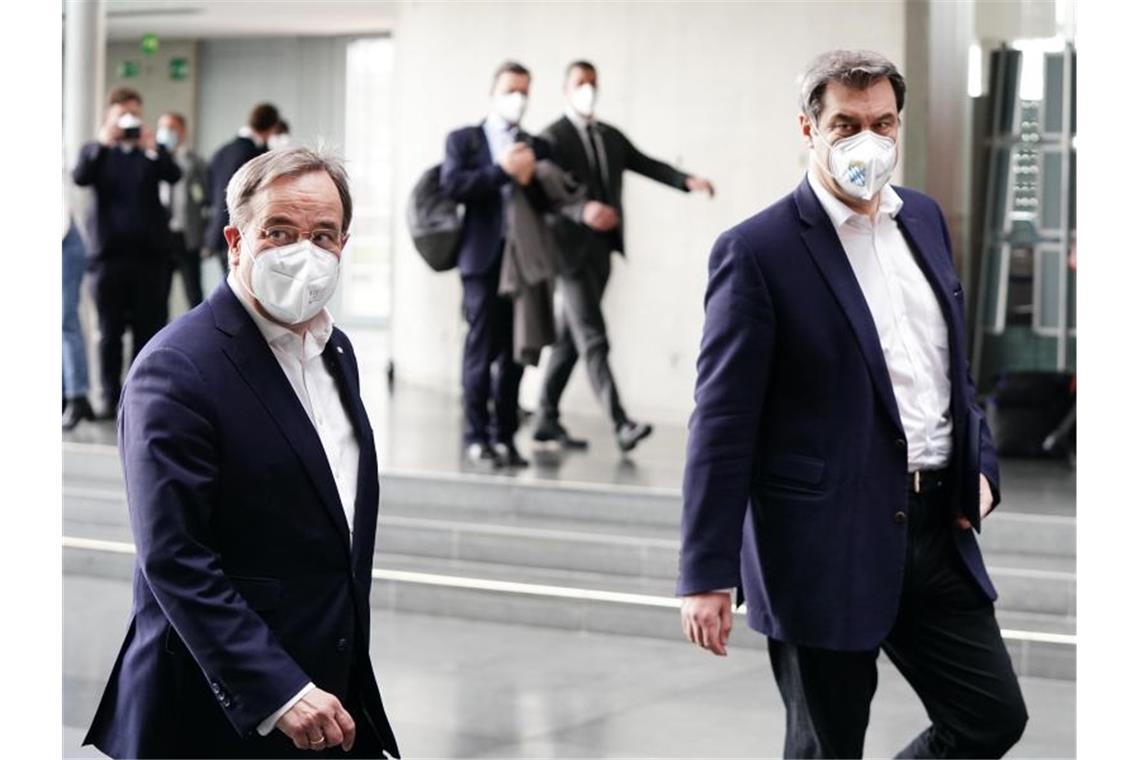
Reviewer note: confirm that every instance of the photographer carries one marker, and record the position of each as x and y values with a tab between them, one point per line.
128	259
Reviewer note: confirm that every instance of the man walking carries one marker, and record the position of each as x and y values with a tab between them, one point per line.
252	484
838	464
597	154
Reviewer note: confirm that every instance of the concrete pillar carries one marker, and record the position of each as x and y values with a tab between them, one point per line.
84	46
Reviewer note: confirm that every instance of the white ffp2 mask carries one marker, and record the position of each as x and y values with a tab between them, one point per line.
583	99
511	106
861	164
294	282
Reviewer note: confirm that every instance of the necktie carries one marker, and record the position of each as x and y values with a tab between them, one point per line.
596	154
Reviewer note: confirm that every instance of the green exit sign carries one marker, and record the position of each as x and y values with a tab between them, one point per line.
179	69
128	69
149	44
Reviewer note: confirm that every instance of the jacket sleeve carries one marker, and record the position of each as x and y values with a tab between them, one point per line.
168	169
169	449
732	375
637	161
989	458
87	167
462	184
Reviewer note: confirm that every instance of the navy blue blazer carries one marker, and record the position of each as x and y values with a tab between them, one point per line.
469	176
245	586
797	460
223	166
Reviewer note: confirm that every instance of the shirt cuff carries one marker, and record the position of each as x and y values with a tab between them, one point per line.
267	725
729	591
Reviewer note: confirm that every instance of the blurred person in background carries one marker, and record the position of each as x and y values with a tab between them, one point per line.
597	154
483	165
838	463
253	490
280	137
76	405
185	202
250	142
129	260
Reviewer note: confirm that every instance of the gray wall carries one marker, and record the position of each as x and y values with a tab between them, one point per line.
709	86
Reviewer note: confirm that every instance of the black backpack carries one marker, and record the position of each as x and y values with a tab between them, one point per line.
435	221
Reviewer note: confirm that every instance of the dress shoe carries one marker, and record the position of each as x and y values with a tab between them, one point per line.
509	455
551	430
482	455
77	410
630	433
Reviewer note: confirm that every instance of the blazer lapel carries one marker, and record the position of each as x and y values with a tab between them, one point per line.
823	243
580	161
256	363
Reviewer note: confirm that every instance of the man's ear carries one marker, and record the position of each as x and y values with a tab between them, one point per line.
233	241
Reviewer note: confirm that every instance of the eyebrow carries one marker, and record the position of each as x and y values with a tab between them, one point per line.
279	219
849	117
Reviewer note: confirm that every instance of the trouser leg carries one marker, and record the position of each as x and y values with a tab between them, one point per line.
190	268
582	299
110	287
148	301
75	381
563	356
478	348
507	372
827	698
948	645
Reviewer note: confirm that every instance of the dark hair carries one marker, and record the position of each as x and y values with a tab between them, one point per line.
263	117
122	95
854	68
282	127
177	117
584	65
509	67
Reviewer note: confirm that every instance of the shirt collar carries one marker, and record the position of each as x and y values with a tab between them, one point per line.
840	213
279	336
249	134
578	120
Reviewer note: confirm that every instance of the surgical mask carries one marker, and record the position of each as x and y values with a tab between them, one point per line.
861	164
511	106
166	137
294	282
583	98
278	141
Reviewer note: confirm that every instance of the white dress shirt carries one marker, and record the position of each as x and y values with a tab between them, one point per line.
500	135
911	326
300	360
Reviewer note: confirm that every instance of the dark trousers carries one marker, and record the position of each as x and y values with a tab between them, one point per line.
189	266
945	642
581	331
129	293
490	373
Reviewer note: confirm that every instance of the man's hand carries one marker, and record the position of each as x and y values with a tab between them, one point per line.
700	184
109	133
148	139
318	721
985	502
518	162
599	216
707	620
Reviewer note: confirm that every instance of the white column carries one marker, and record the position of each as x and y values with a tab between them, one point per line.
84	51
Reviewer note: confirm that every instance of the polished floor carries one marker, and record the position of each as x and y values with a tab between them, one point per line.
460	688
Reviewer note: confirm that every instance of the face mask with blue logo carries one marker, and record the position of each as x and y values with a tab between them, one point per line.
861	164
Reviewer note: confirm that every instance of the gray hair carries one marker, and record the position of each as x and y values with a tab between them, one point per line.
853	68
290	161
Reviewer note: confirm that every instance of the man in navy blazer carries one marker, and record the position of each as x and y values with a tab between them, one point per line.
249	143
483	164
252	485
838	464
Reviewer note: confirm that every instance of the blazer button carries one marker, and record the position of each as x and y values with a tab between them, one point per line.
900	443
342	645
900	517
217	689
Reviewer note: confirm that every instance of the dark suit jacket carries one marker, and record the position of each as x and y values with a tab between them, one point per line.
575	238
130	221
797	460
245	585
223	166
469	176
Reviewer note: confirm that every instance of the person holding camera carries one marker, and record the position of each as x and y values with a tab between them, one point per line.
128	259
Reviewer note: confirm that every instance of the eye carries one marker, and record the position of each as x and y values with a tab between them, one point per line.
276	235
324	238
